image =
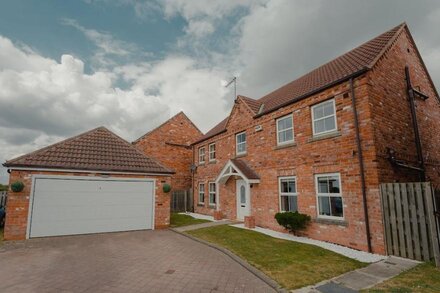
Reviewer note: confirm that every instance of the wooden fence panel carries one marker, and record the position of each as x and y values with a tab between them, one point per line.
3	197
410	221
181	201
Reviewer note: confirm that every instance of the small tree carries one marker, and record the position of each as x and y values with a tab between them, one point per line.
293	221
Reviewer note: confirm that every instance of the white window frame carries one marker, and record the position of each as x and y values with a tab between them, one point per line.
280	194
211	193
313	118
202	157
329	195
278	130
236	143
210	152
201	191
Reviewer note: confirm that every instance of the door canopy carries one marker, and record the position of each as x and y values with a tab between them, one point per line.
238	168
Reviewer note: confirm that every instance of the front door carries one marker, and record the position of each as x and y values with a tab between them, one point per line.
243	200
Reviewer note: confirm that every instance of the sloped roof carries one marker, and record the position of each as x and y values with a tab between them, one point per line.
98	150
245	169
158	127
352	63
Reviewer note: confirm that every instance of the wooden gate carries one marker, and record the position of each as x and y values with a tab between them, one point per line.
409	216
182	201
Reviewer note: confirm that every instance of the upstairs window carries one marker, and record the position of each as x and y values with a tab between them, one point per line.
288	195
211	151
241	143
202	155
329	196
324	117
285	130
211	193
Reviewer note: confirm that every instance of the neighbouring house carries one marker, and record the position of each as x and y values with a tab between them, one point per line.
90	183
170	144
322	144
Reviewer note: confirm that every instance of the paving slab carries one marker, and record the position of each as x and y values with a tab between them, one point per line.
332	287
204	225
141	261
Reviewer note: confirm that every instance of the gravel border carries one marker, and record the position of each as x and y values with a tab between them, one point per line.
359	255
256	272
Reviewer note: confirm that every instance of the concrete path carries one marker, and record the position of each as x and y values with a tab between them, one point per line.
204	225
141	261
362	278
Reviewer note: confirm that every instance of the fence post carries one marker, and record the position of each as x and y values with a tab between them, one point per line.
185	200
432	223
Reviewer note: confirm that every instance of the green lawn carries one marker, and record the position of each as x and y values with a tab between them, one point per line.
291	264
179	220
423	278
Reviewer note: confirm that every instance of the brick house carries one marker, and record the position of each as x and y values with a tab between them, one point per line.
90	183
170	144
322	144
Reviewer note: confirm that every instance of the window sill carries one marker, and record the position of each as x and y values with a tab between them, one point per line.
202	164
200	204
325	136
211	206
336	222
284	146
212	162
240	155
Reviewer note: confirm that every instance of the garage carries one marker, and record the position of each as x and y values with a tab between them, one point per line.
69	206
95	182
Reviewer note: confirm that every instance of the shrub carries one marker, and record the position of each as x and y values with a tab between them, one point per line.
17	186
293	221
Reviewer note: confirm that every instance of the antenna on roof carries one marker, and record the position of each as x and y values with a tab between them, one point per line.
234	80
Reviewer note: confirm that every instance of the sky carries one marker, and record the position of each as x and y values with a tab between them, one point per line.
70	66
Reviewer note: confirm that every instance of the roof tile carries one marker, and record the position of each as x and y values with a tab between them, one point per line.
98	149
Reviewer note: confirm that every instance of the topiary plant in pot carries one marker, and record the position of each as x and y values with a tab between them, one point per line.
293	221
17	186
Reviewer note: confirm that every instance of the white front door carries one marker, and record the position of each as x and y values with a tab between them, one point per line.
243	200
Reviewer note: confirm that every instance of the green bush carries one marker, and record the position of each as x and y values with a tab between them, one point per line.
17	186
293	221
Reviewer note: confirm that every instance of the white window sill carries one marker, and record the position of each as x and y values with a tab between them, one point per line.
326	135
241	155
285	145
331	221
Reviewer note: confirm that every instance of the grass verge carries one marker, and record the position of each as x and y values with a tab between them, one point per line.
291	264
179	220
423	278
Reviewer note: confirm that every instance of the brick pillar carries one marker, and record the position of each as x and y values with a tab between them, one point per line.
218	215
249	222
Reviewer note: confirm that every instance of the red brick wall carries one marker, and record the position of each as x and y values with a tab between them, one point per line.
392	117
304	159
18	202
169	144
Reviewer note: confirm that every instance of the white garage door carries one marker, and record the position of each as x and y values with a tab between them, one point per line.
68	206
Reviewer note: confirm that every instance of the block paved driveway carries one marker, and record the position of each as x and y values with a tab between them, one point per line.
141	261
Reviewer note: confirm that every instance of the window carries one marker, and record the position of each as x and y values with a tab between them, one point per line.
241	143
201	193
329	195
324	117
202	155
211	193
288	195
285	130
211	151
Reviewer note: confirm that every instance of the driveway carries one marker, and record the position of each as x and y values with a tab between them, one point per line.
141	261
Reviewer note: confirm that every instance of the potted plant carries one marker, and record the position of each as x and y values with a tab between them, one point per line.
17	186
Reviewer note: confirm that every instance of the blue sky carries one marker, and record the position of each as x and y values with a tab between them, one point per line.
70	66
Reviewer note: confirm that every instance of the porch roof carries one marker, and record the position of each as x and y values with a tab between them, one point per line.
238	167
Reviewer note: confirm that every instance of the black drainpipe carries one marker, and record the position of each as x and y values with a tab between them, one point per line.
361	166
415	125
